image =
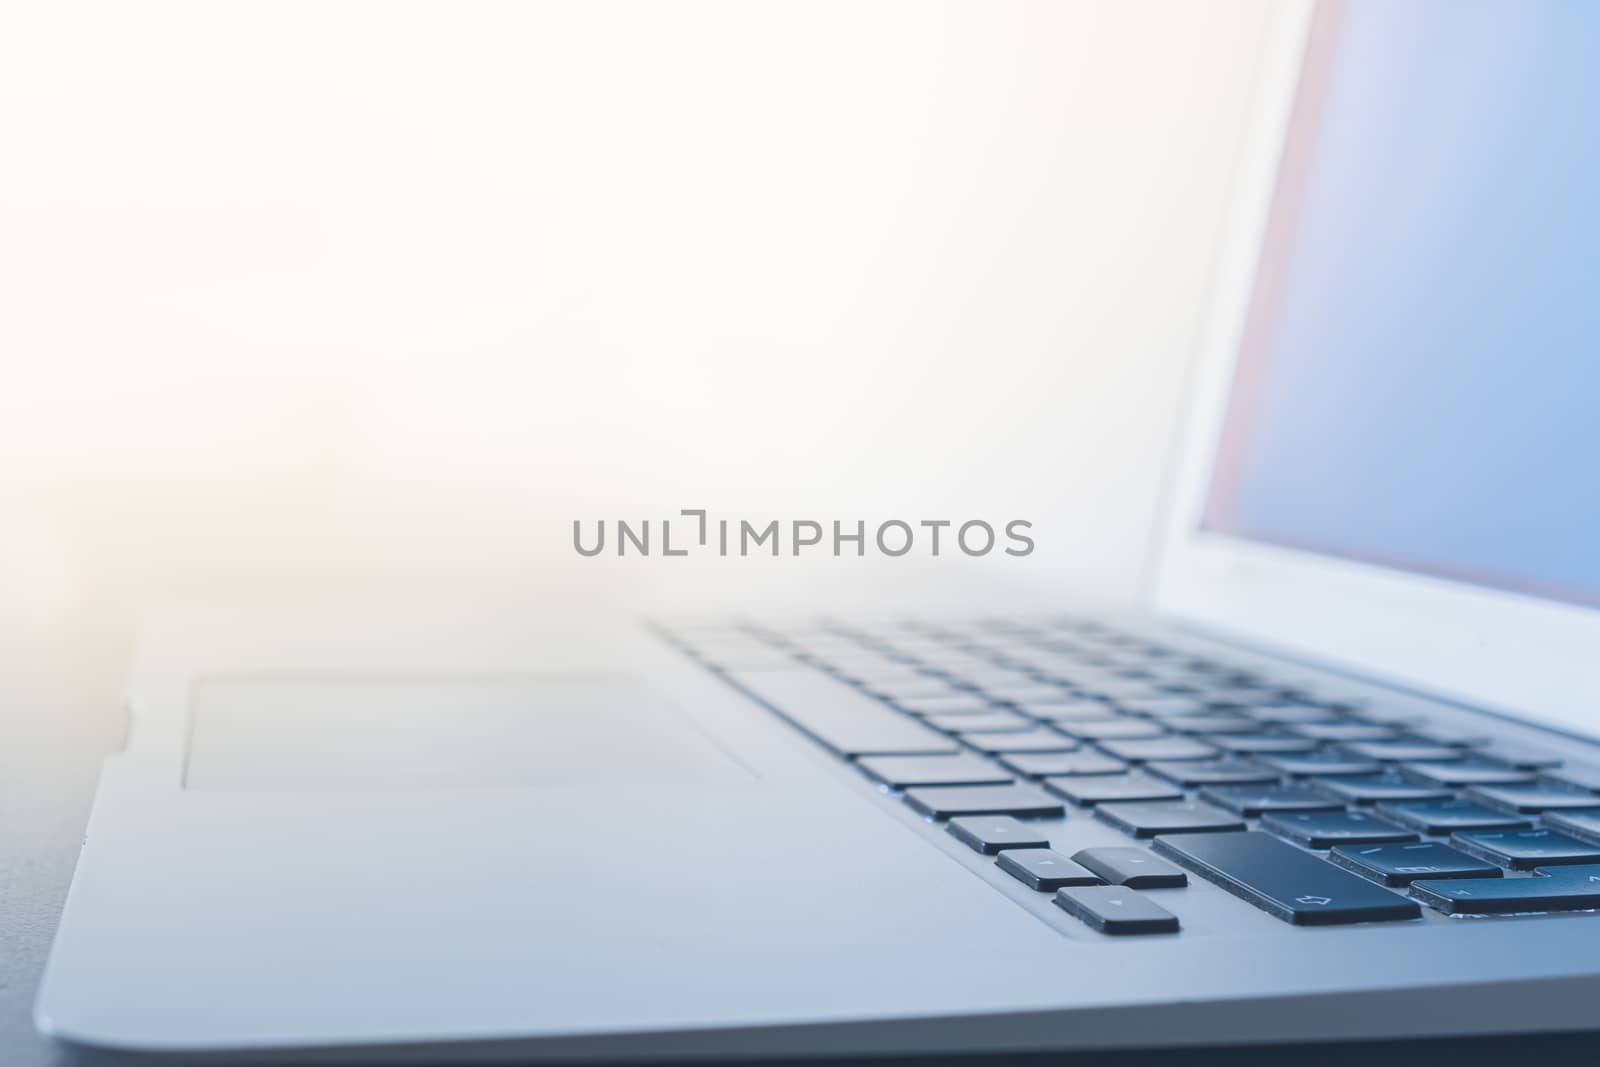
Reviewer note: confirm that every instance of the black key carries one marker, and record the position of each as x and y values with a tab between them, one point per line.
1348	730
1399	865
898	772
1044	870
1324	829
1093	789
1080	672
1115	909
997	677
1167	817
1159	748
869	674
1207	724
1256	799
1112	729
1076	711
1532	798
1038	692
1035	740
1448	816
1124	689
1398	725
907	694
1465	772
1213	772
1250	744
1315	691
985	675
1403	750
1584	825
996	833
1033	693
1136	868
979	668
1313	764
944	801
992	721
952	704
840	717
1578	776
1292	885
850	659
1451	735
1372	788
1163	706
1556	890
1525	759
1523	850
1083	762
1244	696
1290	713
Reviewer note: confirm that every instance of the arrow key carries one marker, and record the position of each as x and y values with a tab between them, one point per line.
1136	868
1044	870
1115	909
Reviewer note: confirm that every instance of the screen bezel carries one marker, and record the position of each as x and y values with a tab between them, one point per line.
1537	660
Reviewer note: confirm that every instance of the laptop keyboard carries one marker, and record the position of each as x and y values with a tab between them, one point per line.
1311	806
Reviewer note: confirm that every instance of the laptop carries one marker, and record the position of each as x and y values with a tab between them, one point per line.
1340	781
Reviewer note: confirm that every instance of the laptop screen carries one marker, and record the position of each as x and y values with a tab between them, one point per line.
1419	382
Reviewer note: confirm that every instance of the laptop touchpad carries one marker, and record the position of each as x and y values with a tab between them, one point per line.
295	732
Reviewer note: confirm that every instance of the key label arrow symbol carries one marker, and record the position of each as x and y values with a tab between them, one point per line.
1313	900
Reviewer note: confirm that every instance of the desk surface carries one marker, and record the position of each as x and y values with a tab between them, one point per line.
56	727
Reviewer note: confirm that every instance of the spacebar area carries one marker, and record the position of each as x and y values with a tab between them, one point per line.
840	716
1295	886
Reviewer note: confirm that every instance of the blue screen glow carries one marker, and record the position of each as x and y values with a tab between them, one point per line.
1420	384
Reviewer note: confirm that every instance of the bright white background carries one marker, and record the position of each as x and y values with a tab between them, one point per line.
429	281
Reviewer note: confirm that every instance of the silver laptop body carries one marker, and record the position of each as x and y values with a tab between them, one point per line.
480	826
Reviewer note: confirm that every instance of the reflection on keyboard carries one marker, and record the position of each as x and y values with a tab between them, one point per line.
1252	785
